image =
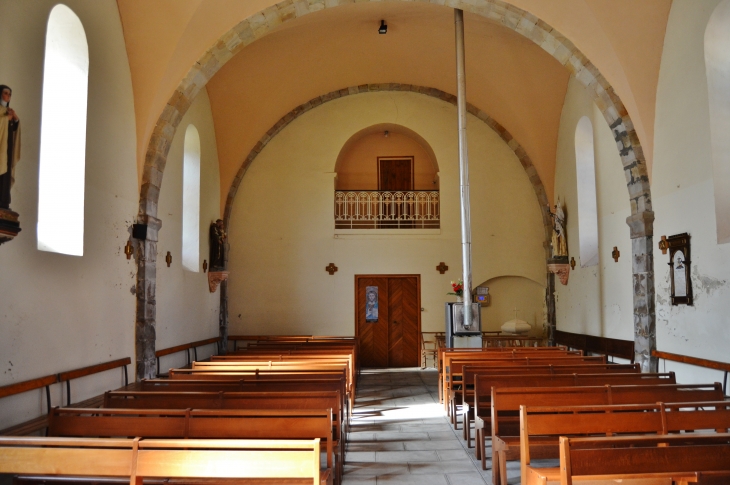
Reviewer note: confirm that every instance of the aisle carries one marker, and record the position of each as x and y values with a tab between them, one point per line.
400	434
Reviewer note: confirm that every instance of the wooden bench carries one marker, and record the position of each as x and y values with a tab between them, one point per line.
449	351
579	377
469	371
286	362
288	373
540	427
455	366
506	402
675	458
449	360
261	461
233	400
459	383
483	412
200	424
257	385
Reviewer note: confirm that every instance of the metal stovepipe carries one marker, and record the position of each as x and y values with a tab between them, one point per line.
463	163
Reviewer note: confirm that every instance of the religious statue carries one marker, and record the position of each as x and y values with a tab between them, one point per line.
217	246
559	239
9	145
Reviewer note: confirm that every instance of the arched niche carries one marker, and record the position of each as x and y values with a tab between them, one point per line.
357	162
508	292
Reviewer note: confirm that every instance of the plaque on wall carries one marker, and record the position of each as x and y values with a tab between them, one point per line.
679	269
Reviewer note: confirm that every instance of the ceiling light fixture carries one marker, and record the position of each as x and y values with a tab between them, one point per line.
383	28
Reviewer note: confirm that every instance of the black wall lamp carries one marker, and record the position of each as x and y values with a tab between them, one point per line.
383	28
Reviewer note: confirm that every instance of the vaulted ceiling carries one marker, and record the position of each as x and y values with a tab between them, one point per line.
508	76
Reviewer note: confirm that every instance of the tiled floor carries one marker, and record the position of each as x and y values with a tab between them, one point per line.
400	435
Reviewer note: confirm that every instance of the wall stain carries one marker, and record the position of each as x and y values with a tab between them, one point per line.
706	285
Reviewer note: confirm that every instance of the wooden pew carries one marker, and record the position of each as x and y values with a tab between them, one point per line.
540	427
507	400
200	424
286	362
675	458
528	378
485	384
459	383
469	371
445	354
261	461
256	385
233	400
457	365
279	373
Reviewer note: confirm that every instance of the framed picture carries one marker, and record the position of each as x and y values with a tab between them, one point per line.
679	269
371	304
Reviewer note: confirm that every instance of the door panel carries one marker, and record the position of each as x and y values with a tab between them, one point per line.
373	335
396	174
409	323
392	341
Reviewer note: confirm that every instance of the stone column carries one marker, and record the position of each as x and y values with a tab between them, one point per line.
145	334
642	267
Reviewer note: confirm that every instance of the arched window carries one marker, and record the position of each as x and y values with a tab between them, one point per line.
717	64
585	168
191	200
63	135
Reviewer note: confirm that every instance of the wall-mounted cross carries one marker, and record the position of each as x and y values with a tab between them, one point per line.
442	268
331	269
615	254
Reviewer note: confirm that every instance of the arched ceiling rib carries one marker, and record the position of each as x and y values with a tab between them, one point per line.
623	38
508	76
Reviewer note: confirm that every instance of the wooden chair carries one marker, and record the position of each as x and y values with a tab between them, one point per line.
429	348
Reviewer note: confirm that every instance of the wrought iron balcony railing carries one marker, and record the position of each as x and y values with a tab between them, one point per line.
377	209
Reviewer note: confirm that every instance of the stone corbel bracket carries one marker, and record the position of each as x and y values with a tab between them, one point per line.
215	278
562	270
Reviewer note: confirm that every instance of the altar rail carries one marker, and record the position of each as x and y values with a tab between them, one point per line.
378	209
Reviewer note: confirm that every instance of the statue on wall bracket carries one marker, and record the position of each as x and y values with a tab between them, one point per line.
558	263
9	156
218	238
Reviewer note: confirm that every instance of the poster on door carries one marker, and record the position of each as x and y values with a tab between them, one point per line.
371	304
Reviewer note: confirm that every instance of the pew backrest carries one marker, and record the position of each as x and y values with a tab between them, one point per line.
614	458
139	459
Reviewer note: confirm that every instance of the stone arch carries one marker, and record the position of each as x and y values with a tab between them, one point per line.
295	113
509	16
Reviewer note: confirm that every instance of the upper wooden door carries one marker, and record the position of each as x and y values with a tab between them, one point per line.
395	174
392	340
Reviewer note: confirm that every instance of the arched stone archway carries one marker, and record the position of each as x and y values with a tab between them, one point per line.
558	46
285	120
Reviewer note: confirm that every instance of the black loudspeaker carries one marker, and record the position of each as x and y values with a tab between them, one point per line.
139	231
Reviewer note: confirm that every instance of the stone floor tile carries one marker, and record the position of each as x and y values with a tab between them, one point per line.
400	434
466	479
441	467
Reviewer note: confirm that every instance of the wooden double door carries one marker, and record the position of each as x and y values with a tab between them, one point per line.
389	336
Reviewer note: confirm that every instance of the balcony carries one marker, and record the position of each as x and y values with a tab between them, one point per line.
378	209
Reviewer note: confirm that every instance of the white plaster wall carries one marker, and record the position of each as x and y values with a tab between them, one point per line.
60	312
683	198
282	227
186	310
598	299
